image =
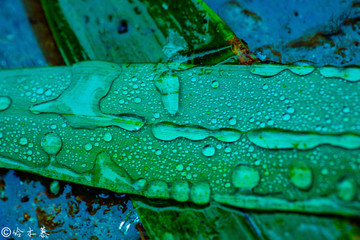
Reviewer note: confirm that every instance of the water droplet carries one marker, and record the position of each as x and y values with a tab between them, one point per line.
55	187
347	73
346	189
39	91
168	131
156	115
215	84
227	149
265	87
168	85
137	100
301	176
83	110
48	93
208	150
88	146
158	152
279	139
232	121
139	184
251	149
107	137
51	143
23	141
290	110
346	110
180	190
130	221
200	193
325	171
286	117
180	167
5	103
274	69
245	176
157	189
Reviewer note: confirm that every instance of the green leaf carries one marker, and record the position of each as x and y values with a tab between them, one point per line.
142	31
174	221
147	130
